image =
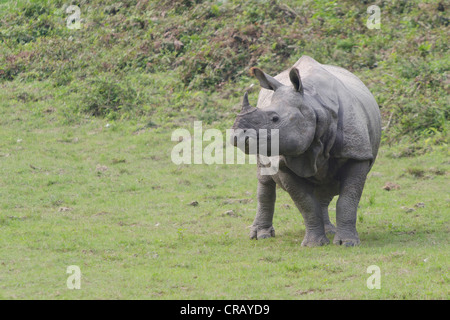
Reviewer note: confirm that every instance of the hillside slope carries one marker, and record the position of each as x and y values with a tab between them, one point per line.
169	61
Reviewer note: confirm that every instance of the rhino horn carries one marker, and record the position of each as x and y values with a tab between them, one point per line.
246	107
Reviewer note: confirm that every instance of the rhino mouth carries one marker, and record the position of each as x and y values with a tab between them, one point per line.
248	140
243	137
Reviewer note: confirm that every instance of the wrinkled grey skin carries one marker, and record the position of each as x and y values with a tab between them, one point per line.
330	126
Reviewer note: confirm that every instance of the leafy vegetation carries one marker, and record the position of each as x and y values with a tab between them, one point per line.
194	56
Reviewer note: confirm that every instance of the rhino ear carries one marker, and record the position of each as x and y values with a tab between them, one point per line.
294	75
265	80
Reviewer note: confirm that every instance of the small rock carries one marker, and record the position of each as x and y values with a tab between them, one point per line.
408	210
391	186
229	213
101	168
194	203
420	205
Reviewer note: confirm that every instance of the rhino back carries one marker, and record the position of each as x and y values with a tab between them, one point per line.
309	68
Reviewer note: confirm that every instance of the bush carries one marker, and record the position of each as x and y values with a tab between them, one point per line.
109	98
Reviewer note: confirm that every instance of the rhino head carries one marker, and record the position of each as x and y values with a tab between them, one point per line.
286	112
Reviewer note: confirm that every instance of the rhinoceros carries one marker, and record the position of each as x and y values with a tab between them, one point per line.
329	129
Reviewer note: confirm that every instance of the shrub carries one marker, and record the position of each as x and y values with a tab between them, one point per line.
108	97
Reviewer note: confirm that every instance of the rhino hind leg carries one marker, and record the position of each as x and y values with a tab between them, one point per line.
353	177
324	201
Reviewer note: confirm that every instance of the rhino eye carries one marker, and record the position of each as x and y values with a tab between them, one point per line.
275	119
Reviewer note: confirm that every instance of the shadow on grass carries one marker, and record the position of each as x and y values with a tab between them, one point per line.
418	237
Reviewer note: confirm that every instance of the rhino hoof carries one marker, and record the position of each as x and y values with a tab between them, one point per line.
315	241
259	233
349	242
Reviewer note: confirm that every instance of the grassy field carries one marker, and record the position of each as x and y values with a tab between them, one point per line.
107	198
86	179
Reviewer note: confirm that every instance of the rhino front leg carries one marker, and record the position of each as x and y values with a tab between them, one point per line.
262	225
353	178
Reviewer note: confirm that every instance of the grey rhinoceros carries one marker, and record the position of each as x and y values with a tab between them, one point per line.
329	129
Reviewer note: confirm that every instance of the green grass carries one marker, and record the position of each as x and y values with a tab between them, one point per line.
108	199
86	118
